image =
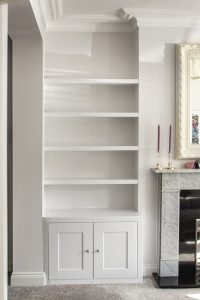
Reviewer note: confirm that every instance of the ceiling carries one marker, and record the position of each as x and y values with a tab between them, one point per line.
85	7
84	15
100	15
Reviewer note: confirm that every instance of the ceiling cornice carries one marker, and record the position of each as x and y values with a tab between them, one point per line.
90	23
39	16
54	19
161	17
50	16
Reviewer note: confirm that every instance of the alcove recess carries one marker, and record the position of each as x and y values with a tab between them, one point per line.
91	118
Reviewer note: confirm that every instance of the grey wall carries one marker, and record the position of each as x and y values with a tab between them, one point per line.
157	106
27	155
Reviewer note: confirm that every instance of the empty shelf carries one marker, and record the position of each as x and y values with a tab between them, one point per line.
88	181
89	148
62	81
90	115
59	215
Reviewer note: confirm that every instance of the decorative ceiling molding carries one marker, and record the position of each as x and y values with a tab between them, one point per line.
54	19
51	17
39	16
161	18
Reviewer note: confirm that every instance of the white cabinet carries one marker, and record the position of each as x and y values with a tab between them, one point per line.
70	250
91	160
115	250
93	250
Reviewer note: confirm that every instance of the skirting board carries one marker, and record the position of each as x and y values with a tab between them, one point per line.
149	269
93	281
38	279
28	279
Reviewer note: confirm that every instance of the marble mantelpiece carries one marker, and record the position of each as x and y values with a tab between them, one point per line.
170	184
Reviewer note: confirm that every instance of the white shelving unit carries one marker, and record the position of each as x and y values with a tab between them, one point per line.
90	115
61	80
91	154
90	148
88	181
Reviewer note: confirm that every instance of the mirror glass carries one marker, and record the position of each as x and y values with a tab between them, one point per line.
194	96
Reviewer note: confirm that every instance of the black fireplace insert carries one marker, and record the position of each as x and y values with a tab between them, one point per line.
189	244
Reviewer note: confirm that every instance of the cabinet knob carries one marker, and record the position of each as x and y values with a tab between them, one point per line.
87	251
97	250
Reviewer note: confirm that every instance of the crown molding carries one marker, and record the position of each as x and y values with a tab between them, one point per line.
91	23
51	17
39	16
161	18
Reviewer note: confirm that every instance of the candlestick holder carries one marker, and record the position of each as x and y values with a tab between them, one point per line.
158	166
170	167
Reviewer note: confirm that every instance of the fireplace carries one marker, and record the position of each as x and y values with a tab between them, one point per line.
178	228
189	234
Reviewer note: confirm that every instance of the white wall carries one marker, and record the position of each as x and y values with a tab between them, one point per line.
157	106
27	160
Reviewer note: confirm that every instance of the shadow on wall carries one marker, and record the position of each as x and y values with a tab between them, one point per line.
99	55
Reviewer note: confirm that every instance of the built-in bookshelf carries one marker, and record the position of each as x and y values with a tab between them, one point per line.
91	125
91	208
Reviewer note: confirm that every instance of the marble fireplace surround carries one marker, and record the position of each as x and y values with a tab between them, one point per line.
170	184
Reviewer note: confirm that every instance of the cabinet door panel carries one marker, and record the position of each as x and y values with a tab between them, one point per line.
115	250
68	255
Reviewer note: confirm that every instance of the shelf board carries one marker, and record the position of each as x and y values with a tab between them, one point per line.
97	81
83	214
90	115
48	182
89	148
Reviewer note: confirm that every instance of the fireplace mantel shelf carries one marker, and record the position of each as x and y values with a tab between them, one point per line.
166	171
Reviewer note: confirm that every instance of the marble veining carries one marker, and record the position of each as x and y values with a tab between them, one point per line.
170	185
169	267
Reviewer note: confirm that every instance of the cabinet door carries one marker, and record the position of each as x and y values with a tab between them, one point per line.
115	250
70	250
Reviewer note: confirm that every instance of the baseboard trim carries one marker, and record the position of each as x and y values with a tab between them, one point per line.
39	278
149	269
28	279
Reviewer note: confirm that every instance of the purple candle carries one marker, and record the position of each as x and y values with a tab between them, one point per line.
158	146
170	138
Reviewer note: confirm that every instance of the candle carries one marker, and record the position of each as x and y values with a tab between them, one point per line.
158	145
170	138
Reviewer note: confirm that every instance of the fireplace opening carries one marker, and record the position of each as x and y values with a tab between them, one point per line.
189	234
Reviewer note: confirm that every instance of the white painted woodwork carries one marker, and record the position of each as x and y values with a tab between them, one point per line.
88	181
90	148
91	99
99	57
117	15
76	252
90	151
59	81
91	215
70	250
90	115
93	196
3	149
91	132
28	279
115	250
87	165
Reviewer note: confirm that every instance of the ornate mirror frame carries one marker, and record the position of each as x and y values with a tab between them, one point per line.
184	54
